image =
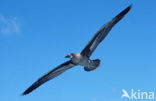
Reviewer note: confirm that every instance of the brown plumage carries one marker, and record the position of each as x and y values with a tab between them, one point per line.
82	58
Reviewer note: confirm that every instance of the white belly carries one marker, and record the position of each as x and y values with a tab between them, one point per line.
79	60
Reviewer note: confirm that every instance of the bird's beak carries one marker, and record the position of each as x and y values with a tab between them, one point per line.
67	56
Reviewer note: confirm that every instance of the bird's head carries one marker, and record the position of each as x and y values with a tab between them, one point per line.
70	55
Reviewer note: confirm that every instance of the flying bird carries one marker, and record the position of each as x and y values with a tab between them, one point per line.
82	58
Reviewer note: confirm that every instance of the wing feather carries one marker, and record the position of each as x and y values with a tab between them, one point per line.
102	33
49	75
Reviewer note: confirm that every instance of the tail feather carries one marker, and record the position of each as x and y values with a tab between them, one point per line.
93	65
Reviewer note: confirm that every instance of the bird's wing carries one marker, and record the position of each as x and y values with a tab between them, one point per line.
50	75
102	33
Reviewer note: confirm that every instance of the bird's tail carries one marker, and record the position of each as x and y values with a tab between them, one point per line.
93	64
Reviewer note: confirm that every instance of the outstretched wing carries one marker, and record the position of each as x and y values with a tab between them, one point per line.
50	75
102	33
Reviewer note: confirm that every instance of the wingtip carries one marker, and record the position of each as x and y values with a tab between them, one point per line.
22	94
127	9
130	6
124	12
27	91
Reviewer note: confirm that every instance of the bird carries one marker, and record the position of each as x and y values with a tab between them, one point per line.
83	57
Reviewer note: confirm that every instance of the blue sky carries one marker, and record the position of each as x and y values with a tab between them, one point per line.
35	36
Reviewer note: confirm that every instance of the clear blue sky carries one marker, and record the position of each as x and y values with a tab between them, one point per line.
35	35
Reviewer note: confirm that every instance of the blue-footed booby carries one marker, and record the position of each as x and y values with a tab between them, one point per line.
82	58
